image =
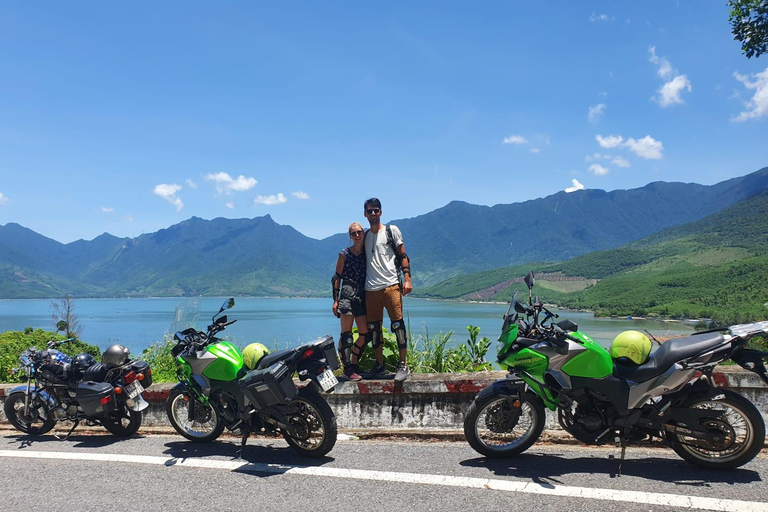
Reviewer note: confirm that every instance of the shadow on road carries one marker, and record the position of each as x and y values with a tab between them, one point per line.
274	452
75	440
546	468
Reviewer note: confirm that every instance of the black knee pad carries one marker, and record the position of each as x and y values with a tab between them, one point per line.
345	347
398	329
376	335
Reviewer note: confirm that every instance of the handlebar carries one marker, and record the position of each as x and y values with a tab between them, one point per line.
54	343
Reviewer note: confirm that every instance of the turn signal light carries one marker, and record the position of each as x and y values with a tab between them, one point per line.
129	377
118	391
140	376
106	400
309	353
516	404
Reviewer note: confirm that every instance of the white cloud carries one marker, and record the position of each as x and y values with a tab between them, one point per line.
611	141
600	17
106	209
270	200
300	195
515	139
596	156
225	184
535	150
665	70
3	198
168	192
758	105
191	184
596	112
230	205
647	147
669	93
576	186
129	218
598	169
620	162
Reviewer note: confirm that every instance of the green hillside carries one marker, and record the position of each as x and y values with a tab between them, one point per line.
713	268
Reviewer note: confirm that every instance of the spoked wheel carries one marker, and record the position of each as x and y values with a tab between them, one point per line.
315	422
738	428
203	425
123	422
503	426
36	421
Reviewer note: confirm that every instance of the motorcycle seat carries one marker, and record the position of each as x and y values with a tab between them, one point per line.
273	357
95	373
669	353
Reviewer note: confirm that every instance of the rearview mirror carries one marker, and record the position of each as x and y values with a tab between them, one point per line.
530	280
567	325
61	325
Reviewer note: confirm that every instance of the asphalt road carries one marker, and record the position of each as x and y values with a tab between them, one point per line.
166	473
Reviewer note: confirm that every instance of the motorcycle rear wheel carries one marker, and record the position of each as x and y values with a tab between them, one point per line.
206	425
741	427
123	422
492	429
37	422
313	417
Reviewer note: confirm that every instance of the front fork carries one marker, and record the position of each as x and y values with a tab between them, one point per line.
26	398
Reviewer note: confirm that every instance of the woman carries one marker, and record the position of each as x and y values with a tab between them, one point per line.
349	300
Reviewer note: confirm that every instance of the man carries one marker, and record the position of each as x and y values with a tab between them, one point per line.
385	257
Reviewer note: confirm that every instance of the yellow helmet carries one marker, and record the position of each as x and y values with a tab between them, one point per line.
253	353
633	345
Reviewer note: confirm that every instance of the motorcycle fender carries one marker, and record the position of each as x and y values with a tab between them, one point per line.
33	390
502	387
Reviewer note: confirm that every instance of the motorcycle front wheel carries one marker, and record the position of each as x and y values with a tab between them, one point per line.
203	426
123	422
315	422
739	427
37	421
503	426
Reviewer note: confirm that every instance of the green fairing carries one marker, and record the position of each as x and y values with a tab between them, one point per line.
228	363
526	360
595	363
509	335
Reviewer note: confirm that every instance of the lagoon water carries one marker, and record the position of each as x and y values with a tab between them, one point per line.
282	323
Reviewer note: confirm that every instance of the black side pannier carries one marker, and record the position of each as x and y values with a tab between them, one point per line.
96	398
139	366
269	386
328	346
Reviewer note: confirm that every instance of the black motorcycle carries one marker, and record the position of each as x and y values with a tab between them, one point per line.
61	388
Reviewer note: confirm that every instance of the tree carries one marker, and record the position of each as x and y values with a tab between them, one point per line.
64	310
749	24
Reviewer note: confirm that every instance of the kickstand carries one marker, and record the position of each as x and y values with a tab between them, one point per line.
74	426
242	443
624	441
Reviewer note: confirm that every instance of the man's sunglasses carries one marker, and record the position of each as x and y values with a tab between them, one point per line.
355	233
372	210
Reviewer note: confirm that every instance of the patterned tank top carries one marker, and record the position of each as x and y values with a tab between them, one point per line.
354	267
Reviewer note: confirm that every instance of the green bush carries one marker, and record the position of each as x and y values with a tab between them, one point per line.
160	360
13	343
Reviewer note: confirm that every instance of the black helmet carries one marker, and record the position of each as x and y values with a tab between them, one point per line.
116	355
82	362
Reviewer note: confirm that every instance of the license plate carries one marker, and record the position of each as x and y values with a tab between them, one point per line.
134	389
327	380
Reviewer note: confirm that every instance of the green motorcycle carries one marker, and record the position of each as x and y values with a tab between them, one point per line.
218	388
604	397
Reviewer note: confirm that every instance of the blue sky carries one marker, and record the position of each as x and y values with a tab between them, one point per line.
130	117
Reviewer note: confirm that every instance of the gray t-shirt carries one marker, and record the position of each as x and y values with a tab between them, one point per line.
381	271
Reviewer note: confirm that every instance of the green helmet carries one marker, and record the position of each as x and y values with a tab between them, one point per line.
253	353
633	345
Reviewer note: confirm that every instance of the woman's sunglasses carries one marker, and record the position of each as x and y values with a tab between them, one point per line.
355	233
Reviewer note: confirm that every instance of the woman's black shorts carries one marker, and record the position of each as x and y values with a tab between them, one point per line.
352	300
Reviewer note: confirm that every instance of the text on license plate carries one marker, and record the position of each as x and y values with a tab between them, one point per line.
134	389
327	380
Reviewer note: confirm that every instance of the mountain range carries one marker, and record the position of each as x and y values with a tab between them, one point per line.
259	257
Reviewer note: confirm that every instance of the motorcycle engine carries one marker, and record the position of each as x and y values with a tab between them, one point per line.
584	422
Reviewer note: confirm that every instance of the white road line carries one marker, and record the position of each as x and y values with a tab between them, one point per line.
669	500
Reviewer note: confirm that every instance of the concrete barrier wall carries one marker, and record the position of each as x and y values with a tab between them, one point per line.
426	401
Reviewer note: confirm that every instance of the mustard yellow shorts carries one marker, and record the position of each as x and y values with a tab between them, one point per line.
390	298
